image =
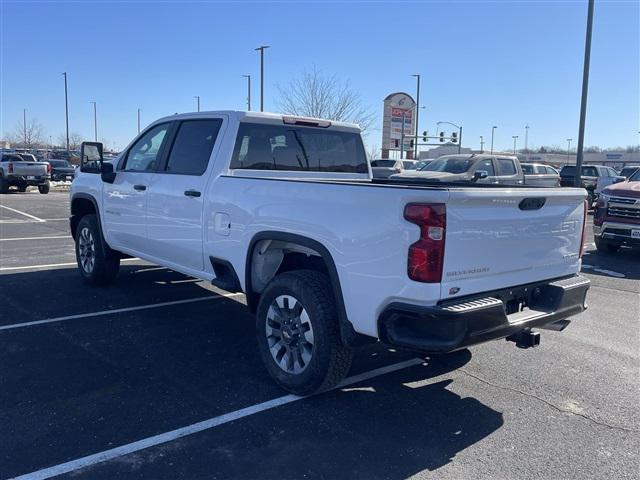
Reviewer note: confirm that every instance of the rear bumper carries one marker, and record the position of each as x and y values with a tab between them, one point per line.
24	180
466	321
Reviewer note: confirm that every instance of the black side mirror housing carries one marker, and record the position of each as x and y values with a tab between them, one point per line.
479	175
91	157
107	173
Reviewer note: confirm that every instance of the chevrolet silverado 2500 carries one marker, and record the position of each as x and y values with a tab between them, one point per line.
285	210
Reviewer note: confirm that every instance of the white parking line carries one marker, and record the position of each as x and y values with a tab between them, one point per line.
34	238
49	265
23	213
115	310
122	450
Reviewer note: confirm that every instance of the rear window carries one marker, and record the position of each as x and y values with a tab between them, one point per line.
506	166
192	147
293	148
527	168
383	163
570	170
59	163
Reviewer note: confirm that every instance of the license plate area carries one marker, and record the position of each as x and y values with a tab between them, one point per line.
31	177
635	233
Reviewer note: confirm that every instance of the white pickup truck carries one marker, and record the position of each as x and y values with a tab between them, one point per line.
285	210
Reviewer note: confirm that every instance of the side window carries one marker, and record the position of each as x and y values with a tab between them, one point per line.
506	166
487	166
192	147
612	172
143	155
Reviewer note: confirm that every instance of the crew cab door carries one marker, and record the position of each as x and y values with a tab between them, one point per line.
125	200
176	194
487	165
508	172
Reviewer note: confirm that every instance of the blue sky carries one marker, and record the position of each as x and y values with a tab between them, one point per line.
482	63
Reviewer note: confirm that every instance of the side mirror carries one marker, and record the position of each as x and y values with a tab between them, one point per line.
479	175
91	157
107	173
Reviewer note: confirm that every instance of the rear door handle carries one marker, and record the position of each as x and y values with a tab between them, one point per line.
192	193
140	188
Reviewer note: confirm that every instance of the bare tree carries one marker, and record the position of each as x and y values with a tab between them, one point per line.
75	139
373	152
27	136
313	94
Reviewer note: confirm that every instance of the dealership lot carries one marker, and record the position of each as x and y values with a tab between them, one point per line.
128	373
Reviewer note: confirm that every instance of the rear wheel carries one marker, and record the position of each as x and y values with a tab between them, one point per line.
606	247
4	185
298	333
44	188
98	264
22	188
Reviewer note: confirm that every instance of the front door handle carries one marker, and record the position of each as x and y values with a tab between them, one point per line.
192	193
140	188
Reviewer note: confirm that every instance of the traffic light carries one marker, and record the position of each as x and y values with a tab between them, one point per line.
442	137
424	136
454	137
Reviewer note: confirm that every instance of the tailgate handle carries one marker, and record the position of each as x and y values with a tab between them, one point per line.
535	203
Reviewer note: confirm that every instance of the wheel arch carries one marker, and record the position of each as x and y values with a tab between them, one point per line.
347	334
83	204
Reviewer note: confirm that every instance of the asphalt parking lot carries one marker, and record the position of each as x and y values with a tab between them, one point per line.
157	377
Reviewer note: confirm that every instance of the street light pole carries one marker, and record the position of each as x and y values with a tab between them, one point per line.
248	77
417	77
526	138
585	88
569	140
481	144
95	123
138	121
493	129
402	137
66	107
515	139
197	97
262	49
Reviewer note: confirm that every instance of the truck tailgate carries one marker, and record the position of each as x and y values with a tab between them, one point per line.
498	239
36	169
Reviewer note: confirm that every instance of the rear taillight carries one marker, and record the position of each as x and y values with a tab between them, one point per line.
584	228
48	168
10	168
426	256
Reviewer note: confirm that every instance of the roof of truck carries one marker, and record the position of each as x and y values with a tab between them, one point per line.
260	117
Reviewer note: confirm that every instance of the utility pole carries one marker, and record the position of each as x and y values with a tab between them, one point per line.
24	123
402	138
526	138
66	107
95	123
493	129
515	139
481	144
585	88
415	151
197	97
248	77
262	48
138	121
569	140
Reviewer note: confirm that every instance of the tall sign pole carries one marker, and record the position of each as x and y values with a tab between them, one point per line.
262	49
248	77
585	88
66	107
415	152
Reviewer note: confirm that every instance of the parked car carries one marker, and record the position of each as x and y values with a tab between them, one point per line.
616	217
539	175
383	168
284	209
15	171
61	171
478	168
594	179
629	170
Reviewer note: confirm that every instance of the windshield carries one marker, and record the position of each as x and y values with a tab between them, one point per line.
635	177
383	163
449	165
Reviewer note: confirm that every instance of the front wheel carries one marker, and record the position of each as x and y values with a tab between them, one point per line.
98	264
606	247
44	188
298	333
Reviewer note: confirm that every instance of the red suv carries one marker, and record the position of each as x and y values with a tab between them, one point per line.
616	218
